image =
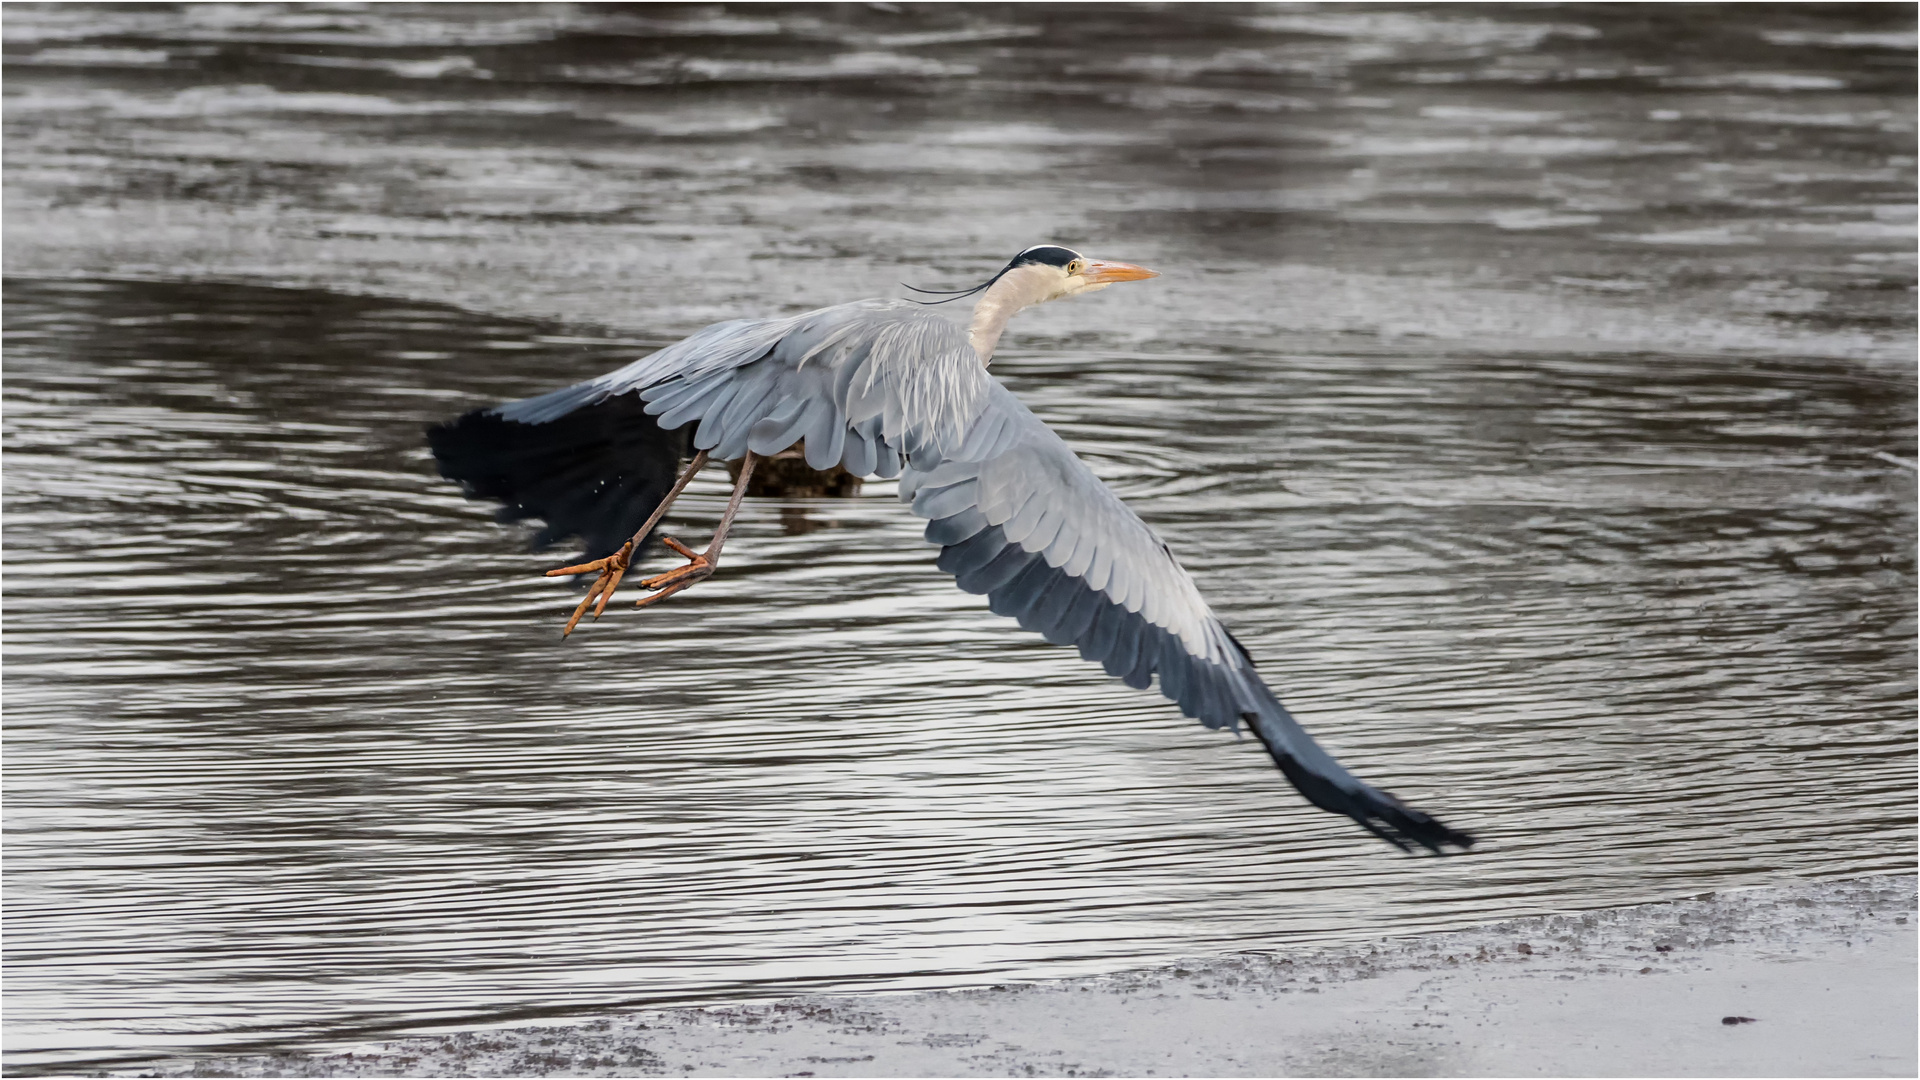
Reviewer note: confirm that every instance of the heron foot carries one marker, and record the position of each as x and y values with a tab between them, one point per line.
699	567
609	570
700	564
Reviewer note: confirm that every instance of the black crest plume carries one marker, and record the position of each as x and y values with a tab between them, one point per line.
1049	254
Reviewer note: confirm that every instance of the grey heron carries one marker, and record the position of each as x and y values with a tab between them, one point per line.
889	388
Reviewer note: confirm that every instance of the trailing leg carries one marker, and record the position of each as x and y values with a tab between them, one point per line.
701	565
612	568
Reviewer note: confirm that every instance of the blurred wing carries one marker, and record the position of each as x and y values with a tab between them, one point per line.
862	384
1021	519
596	472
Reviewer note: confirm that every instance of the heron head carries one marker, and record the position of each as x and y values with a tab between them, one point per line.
1049	272
1054	272
1041	273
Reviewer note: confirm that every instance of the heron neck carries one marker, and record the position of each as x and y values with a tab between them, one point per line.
1017	288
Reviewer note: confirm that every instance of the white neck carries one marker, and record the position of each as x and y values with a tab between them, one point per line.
1021	287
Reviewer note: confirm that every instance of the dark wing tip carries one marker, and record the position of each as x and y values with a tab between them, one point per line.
1376	811
596	471
1426	830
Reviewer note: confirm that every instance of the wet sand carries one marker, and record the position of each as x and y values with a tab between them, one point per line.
1824	974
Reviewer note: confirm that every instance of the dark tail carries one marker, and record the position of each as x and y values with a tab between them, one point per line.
596	472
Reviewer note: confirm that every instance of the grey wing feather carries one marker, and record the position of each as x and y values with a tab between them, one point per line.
718	347
864	384
1022	519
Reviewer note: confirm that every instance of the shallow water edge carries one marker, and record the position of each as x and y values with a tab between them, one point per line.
1807	979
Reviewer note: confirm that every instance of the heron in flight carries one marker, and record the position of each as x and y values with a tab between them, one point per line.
890	388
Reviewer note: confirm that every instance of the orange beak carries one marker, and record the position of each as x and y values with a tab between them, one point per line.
1103	273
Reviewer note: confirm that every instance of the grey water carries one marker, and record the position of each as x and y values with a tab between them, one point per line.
1530	389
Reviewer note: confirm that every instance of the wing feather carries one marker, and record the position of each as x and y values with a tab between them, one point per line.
733	424
905	376
999	570
945	501
1020	518
1074	622
691	403
1053	604
1126	644
779	428
1045	531
1102	636
1025	520
826	440
972	553
1099	573
952	530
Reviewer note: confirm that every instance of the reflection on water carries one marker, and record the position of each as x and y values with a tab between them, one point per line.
294	750
293	744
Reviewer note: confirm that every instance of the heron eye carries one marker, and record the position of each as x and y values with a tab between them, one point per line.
1076	266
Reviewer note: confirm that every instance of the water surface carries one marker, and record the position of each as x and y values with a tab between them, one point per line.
1550	452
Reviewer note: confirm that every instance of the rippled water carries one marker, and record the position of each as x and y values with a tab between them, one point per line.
1589	526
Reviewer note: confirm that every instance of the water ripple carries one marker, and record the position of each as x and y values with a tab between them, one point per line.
293	747
1528	389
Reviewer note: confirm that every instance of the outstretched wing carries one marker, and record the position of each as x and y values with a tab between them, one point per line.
1021	519
863	384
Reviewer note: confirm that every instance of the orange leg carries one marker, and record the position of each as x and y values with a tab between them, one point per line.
612	568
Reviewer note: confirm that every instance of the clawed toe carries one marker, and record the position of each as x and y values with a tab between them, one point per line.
662	594
698	568
609	570
615	563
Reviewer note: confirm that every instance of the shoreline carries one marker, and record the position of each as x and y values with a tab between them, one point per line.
1809	978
